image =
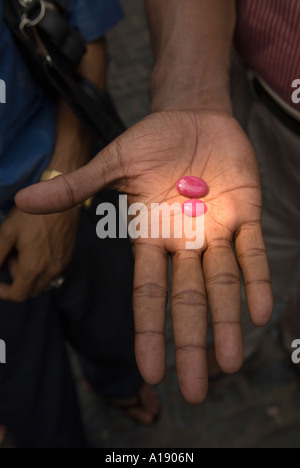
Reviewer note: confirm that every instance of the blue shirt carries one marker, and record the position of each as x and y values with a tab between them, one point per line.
28	119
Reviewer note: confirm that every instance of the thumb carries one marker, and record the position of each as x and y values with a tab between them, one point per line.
66	191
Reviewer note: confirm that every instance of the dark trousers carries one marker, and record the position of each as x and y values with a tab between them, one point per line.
93	311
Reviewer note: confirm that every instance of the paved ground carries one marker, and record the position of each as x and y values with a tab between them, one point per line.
259	407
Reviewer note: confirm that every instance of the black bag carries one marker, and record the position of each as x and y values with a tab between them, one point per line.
53	49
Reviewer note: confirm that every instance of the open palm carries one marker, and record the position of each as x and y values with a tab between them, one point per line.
145	163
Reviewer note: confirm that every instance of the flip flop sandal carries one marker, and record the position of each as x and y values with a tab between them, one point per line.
137	405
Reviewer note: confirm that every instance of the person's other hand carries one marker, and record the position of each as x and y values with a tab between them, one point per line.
37	250
146	163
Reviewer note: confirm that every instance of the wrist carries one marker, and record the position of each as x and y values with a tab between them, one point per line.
200	92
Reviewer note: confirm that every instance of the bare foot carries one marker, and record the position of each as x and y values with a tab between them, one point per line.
143	409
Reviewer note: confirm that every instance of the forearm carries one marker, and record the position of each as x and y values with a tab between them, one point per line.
73	145
192	41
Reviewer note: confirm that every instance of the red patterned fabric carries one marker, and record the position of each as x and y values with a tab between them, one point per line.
268	38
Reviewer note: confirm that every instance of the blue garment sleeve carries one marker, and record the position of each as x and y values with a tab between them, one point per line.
93	18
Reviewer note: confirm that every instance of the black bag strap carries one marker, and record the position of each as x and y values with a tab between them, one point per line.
53	50
66	39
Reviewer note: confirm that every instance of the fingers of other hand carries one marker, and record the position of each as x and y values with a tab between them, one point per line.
28	281
21	289
150	301
7	243
252	257
189	312
224	292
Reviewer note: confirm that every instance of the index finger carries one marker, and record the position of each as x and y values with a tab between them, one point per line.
252	257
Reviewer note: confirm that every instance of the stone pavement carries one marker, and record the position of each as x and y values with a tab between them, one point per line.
257	408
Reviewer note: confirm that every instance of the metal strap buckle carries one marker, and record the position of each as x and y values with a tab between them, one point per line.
31	22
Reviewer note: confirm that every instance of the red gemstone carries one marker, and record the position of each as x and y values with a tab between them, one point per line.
194	208
192	187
